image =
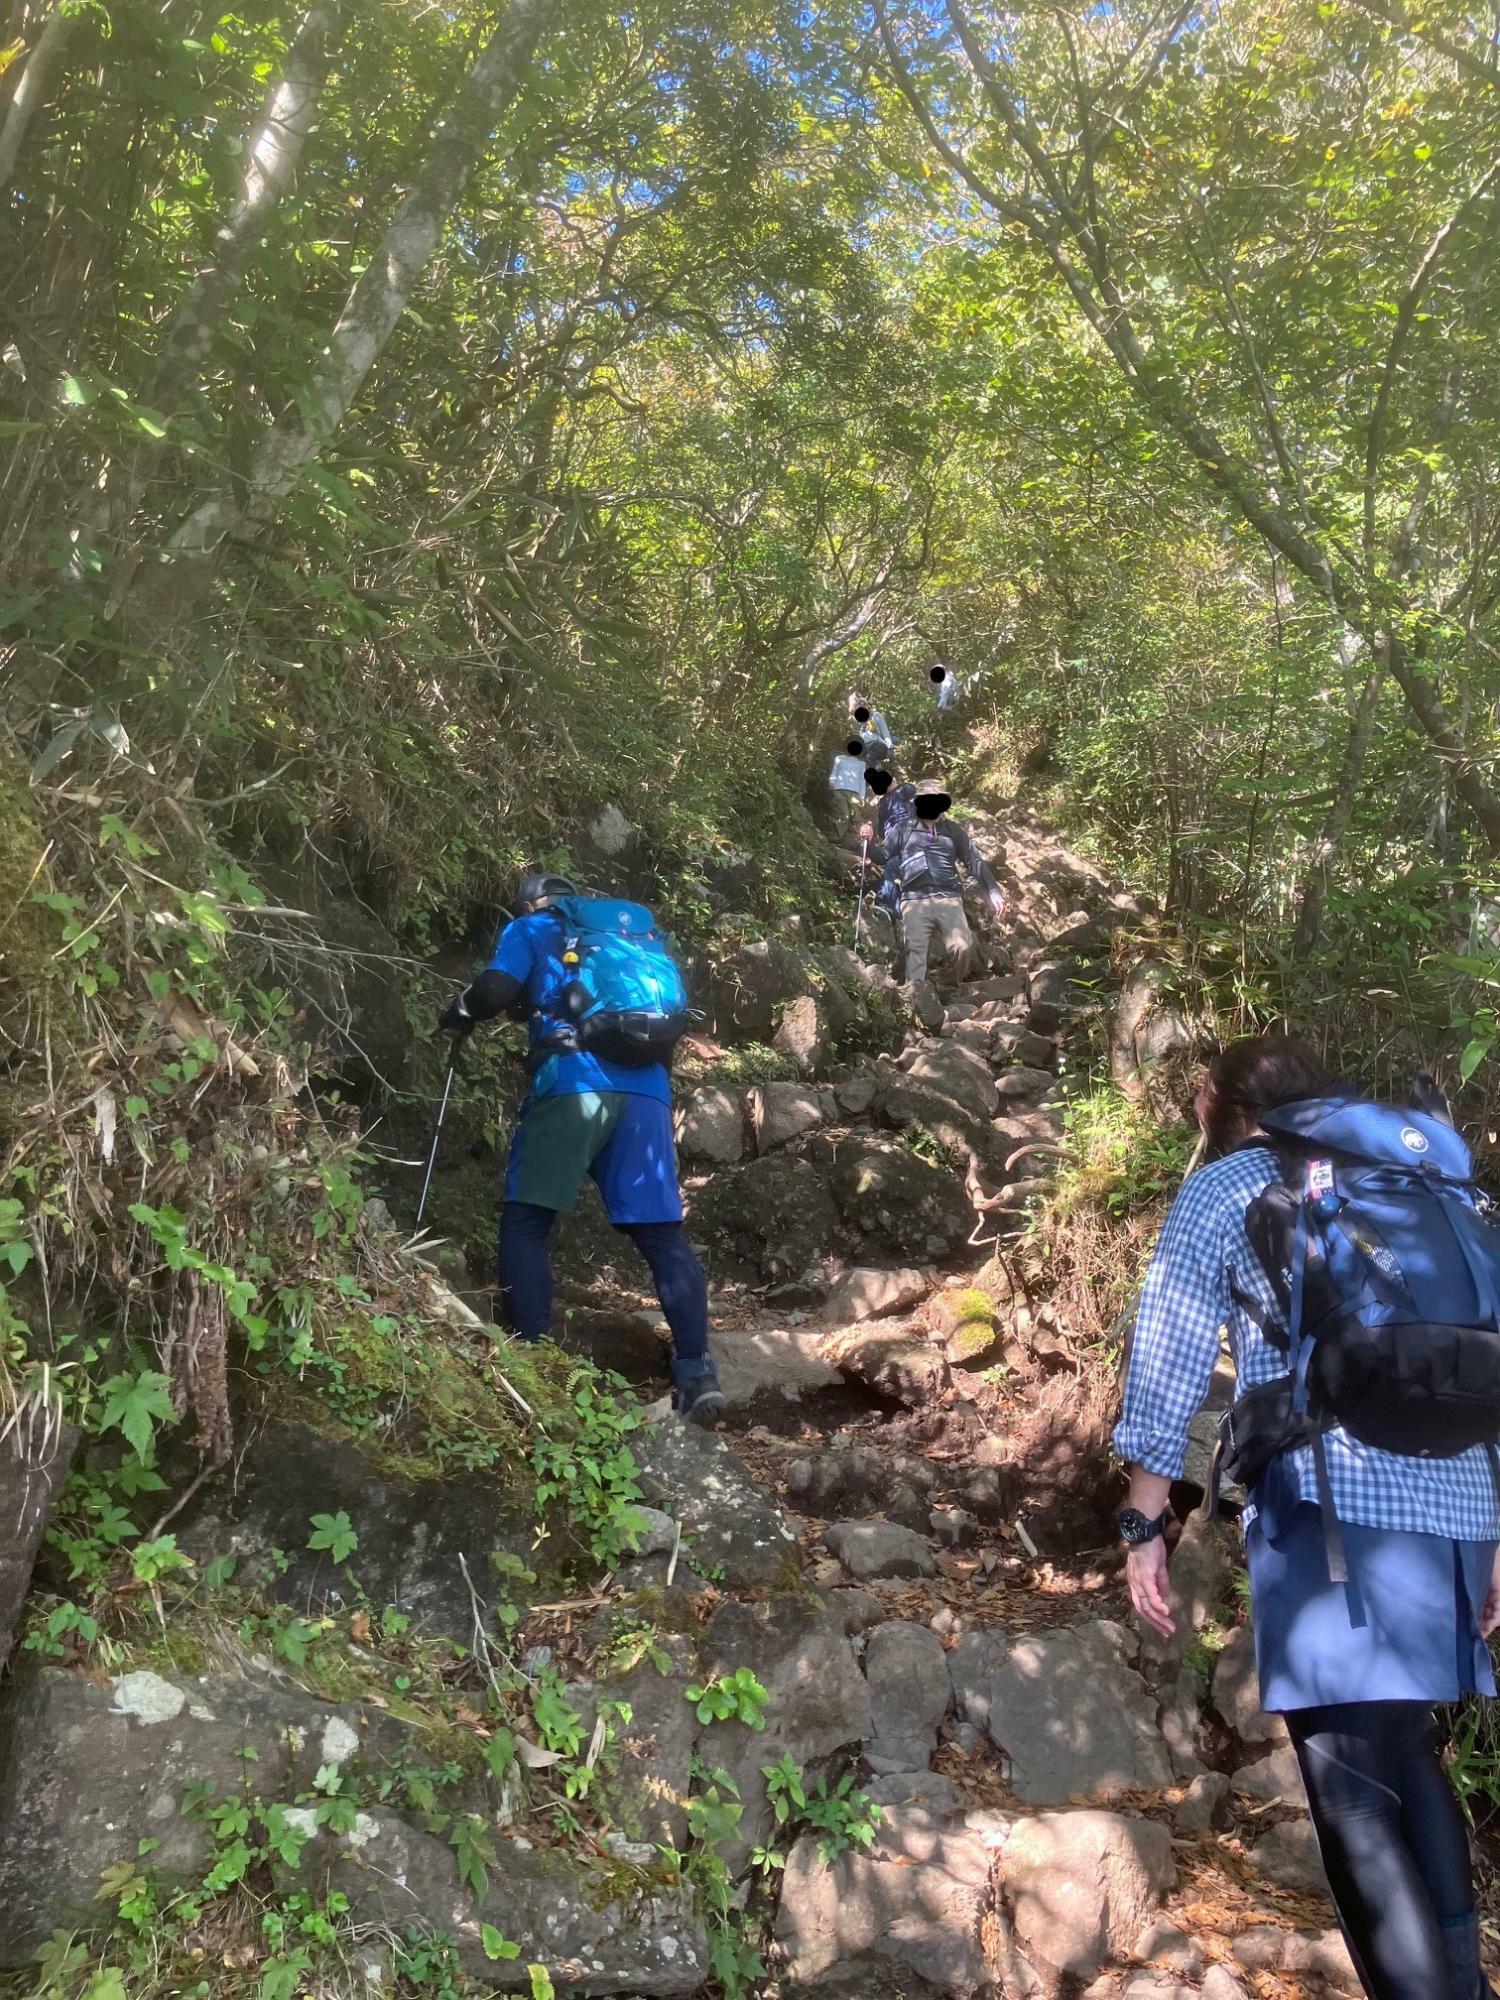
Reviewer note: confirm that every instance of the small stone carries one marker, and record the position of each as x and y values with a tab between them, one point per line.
1220	1984
658	1536
1288	1857
1203	1803
711	1126
859	1609
1163	1945
1325	1954
953	1527
968	1738
946	1622
855	1095
1261	1948
826	1574
876	1548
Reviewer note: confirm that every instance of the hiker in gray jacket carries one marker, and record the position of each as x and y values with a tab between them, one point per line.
923	867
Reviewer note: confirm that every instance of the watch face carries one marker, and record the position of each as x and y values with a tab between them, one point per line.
1133	1526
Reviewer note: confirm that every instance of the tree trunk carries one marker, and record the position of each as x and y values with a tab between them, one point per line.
1345	792
31	92
273	152
1426	704
380	295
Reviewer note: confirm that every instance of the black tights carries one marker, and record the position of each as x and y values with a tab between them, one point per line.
1394	1846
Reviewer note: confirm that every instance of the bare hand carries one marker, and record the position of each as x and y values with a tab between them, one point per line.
1146	1574
997	902
1489	1616
867	833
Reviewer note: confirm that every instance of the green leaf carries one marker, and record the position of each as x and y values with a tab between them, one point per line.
134	1405
495	1945
333	1532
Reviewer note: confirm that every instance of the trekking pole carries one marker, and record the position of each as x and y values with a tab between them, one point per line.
437	1132
859	908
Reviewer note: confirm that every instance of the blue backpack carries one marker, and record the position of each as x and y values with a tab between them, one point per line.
1386	1273
625	999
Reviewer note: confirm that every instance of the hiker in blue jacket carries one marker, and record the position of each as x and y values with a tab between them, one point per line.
1355	1666
585	1114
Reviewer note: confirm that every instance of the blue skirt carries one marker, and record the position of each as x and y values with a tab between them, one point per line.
1404	1628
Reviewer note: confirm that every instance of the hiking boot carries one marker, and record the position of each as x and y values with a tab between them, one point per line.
696	1395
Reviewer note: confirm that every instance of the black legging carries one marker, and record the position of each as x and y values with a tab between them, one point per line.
1394	1846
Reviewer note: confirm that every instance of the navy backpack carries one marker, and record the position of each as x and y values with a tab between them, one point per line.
625	998
1386	1272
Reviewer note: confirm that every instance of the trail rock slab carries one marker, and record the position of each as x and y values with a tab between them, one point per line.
787	1361
850	1484
866	1293
1024	1045
929	1790
1049	1714
914	1903
775	1216
595	1936
711	1126
698	1480
88	1771
909	1695
1024	1086
875	1549
921	1210
819	1700
1082	1886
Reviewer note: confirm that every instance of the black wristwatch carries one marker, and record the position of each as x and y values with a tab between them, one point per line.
1135	1530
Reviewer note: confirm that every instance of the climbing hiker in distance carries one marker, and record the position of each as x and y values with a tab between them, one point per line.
889	804
1364	1430
846	784
923	860
876	740
605	1003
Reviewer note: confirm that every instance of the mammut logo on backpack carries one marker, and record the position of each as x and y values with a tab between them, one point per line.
1413	1140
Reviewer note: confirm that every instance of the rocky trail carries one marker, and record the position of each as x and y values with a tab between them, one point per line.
901	1532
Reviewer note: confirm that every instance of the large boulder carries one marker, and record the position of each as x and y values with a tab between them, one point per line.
894	1364
841	1485
1062	1740
960	1074
920	1209
802	1037
711	1126
698	1480
1049	993
414	1533
750	988
781	1361
34	1461
782	1112
909	1695
1081	1886
911	1911
774	1217
819	1702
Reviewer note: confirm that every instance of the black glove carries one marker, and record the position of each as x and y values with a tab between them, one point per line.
455	1018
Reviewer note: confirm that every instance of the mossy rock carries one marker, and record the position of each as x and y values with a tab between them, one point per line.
970	1341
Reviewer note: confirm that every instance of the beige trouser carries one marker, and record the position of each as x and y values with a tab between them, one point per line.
927	917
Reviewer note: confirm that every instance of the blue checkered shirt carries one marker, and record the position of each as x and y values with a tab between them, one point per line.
1186	1303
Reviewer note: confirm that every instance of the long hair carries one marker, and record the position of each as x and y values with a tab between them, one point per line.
1251	1076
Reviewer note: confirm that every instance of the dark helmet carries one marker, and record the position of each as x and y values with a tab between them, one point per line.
538	887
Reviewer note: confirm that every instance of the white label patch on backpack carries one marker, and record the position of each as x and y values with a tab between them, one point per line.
1413	1140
